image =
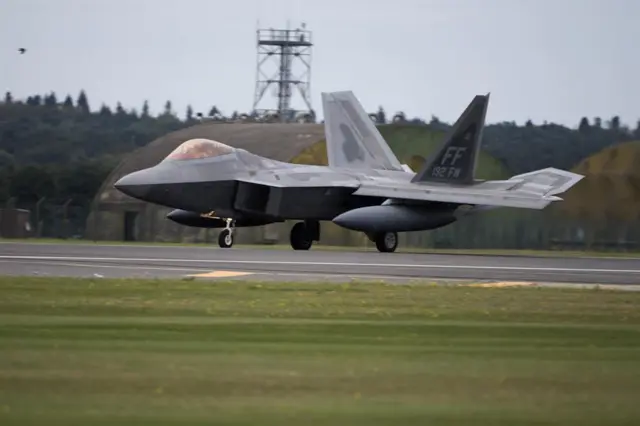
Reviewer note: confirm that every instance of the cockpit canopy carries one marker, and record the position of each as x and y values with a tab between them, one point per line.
199	148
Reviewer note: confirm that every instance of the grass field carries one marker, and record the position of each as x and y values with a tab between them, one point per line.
496	252
160	352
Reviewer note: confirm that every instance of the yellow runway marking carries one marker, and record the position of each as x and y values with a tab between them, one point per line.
221	274
503	284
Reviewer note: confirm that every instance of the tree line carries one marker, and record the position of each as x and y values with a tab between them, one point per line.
62	149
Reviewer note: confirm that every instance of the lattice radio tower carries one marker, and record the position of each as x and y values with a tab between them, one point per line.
287	47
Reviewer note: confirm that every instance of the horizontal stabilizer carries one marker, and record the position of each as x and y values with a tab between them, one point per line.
546	182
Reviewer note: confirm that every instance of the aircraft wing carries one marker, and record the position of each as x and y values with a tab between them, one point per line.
453	195
534	190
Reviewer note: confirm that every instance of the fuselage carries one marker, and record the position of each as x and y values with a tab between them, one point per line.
207	182
241	184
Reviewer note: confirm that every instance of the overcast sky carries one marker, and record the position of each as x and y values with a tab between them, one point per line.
554	60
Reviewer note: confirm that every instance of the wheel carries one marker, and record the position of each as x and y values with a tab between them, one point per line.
225	239
386	242
300	237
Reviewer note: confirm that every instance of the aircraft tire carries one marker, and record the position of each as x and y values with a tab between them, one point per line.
225	239
386	242
300	237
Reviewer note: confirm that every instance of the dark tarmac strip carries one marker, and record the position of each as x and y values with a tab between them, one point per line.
174	261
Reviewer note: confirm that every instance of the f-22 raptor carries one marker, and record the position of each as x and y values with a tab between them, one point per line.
363	188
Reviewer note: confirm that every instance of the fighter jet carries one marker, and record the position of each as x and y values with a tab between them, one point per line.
363	188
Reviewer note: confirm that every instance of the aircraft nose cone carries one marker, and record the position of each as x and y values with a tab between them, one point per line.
134	185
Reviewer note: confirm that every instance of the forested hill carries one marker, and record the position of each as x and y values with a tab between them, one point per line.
530	147
63	148
536	146
46	130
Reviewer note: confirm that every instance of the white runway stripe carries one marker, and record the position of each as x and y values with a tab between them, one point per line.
315	263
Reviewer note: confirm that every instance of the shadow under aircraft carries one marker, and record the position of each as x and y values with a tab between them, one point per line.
363	188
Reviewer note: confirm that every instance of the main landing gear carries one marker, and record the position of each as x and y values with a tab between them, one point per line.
386	242
225	238
303	234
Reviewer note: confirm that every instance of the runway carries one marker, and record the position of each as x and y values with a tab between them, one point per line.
86	260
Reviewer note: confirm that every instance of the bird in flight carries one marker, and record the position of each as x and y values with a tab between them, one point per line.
22	50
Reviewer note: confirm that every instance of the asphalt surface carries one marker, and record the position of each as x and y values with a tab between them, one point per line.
86	260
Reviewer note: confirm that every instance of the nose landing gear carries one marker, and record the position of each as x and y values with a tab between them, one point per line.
225	239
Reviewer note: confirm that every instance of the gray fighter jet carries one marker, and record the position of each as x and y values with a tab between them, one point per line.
363	188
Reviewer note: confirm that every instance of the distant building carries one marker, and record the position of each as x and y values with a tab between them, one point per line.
15	223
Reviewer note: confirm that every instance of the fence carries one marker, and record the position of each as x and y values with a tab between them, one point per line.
533	230
501	229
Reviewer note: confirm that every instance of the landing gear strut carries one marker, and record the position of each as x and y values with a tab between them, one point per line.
386	242
225	239
303	234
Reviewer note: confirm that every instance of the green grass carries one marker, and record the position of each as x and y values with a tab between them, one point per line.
160	352
496	252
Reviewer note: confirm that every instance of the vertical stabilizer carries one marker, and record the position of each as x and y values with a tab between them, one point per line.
353	140
456	160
